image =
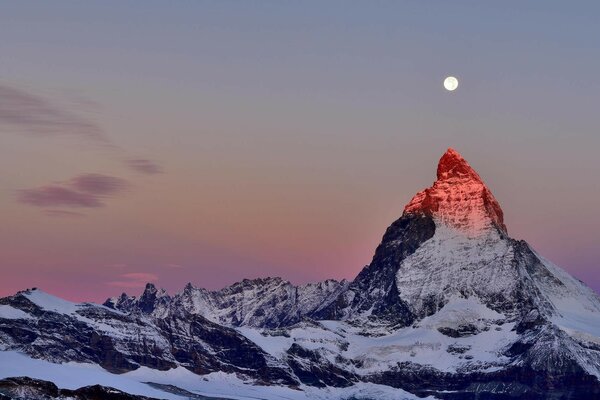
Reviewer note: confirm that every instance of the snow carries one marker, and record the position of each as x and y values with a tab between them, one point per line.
365	391
97	317
274	345
452	264
73	375
219	384
49	302
425	345
8	312
258	302
460	311
577	306
421	343
53	303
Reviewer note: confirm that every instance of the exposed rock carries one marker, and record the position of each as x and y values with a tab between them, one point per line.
458	198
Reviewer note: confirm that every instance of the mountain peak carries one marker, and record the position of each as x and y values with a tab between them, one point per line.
458	198
150	288
453	165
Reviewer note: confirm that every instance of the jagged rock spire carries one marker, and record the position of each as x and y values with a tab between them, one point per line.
459	198
453	165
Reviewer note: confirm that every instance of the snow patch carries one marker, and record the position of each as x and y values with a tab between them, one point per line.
52	303
8	312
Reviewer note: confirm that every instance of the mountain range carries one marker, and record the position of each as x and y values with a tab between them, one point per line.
450	307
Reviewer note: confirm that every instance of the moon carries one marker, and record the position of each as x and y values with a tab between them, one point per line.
450	83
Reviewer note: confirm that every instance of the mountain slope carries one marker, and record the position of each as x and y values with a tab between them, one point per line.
47	327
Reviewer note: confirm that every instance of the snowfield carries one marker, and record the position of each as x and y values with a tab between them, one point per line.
226	386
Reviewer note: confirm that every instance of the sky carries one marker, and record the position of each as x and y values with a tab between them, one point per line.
207	142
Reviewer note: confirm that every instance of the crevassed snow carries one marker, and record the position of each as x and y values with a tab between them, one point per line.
218	384
8	312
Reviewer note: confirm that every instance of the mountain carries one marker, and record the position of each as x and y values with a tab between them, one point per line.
450	307
267	303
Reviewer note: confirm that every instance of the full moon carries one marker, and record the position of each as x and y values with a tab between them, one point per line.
450	83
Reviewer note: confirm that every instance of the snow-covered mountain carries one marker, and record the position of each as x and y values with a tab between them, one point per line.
450	307
261	303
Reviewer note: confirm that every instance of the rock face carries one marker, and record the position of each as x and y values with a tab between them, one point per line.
374	295
450	307
266	303
47	327
458	198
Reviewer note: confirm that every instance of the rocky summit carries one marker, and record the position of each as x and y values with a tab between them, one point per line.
458	198
450	307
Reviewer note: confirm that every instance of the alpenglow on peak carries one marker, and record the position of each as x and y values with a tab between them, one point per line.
458	198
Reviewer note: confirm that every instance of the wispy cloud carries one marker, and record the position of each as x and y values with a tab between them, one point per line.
63	213
134	280
29	113
57	196
85	191
144	166
98	184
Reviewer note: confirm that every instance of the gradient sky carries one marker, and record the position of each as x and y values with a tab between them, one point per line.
214	141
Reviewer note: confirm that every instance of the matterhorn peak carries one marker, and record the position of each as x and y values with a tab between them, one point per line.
453	165
458	198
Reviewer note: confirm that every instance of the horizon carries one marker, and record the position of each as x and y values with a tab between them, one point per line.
213	142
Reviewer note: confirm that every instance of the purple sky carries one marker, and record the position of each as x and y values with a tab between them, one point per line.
214	141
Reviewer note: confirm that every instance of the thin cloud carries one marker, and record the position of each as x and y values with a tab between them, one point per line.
32	114
63	213
83	191
134	280
57	196
144	166
98	184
